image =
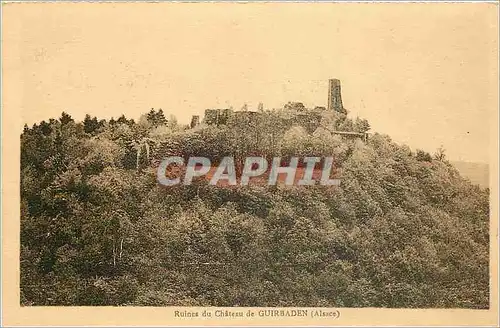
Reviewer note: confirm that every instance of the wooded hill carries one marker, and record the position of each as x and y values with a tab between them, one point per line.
404	229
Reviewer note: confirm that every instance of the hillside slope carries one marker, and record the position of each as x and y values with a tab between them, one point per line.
402	229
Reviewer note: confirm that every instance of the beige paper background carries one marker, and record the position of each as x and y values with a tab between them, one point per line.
40	41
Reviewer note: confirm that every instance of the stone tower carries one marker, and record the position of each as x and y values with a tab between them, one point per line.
195	121
335	96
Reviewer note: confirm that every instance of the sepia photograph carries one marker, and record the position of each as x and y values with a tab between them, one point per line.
253	161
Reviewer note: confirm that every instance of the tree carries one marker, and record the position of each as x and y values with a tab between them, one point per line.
440	154
156	118
296	106
173	124
361	125
151	116
423	156
90	125
123	120
65	118
260	107
160	118
45	128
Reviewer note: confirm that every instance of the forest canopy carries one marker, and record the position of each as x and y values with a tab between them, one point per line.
403	229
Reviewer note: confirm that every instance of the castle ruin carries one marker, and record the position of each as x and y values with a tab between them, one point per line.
309	119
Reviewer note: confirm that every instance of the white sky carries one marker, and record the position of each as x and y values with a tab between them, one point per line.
425	74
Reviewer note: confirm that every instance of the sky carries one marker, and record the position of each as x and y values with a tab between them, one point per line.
425	74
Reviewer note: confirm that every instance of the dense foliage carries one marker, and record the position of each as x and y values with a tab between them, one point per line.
404	229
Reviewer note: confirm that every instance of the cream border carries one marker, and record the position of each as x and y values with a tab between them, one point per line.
14	315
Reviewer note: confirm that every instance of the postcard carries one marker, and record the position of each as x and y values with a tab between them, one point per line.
249	164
